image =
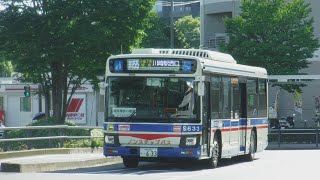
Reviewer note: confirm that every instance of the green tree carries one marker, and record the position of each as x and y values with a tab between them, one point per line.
157	32
273	34
188	32
6	68
63	44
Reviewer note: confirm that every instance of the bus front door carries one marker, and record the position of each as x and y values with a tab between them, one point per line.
206	122
243	116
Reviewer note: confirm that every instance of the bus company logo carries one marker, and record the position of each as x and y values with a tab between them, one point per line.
124	127
75	105
166	142
176	128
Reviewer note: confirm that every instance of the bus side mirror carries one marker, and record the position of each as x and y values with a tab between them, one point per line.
201	88
102	88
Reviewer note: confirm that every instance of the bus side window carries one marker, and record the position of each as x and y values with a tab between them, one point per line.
262	112
215	97
226	97
252	98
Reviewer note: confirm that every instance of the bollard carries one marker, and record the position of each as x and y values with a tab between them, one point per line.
29	142
50	142
317	136
62	132
279	137
5	143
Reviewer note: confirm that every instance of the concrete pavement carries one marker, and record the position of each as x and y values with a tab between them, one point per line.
53	160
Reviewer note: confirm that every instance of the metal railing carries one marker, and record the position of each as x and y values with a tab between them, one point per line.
295	136
56	135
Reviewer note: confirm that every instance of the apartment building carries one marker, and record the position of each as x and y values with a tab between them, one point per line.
212	13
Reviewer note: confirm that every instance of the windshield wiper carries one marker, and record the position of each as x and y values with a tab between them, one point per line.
131	115
168	116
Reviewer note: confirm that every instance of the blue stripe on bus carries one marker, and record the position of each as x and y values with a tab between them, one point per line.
194	128
226	123
243	122
159	128
230	69
151	128
258	121
235	123
242	148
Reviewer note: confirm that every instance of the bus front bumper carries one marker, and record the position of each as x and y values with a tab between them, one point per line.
162	152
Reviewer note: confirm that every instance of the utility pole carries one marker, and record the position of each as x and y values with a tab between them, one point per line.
171	26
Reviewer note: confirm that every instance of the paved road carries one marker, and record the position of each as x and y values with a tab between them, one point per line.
269	165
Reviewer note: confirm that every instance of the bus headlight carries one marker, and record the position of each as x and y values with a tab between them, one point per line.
109	139
191	141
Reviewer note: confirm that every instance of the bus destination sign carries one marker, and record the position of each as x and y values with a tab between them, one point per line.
153	64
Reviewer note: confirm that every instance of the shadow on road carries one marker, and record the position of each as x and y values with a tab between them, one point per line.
155	167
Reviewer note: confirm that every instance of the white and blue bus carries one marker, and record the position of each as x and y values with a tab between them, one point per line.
183	104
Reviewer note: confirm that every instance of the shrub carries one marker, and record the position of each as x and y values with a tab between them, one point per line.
51	143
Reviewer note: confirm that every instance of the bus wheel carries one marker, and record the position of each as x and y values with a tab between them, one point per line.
213	161
252	147
130	162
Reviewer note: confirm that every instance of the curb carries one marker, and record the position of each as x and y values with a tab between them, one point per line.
292	147
34	152
55	166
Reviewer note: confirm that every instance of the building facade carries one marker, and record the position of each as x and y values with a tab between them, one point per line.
86	107
181	8
212	14
213	30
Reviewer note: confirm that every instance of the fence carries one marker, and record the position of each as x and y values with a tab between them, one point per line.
33	137
294	136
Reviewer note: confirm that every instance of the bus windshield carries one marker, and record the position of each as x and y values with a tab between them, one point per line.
150	99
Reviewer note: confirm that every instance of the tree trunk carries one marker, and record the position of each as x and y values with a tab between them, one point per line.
46	94
57	79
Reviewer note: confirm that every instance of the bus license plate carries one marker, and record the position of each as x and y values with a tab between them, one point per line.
148	152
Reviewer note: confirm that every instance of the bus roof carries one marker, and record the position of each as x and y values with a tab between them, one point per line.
205	54
233	69
211	61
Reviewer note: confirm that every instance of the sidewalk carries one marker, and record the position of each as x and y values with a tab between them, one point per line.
275	146
53	160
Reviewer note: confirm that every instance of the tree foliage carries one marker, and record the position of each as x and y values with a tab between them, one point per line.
157	32
62	44
6	67
188	32
274	34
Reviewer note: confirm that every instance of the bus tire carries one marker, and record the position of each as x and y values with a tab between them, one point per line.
214	159
252	147
130	162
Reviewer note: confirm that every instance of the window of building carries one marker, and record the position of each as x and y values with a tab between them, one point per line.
1	103
25	104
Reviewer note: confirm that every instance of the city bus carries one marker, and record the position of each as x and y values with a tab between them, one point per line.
183	104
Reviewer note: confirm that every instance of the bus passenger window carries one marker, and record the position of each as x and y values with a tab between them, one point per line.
252	98
215	97
262	98
226	97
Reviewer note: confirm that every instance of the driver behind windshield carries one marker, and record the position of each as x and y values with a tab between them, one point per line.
186	106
